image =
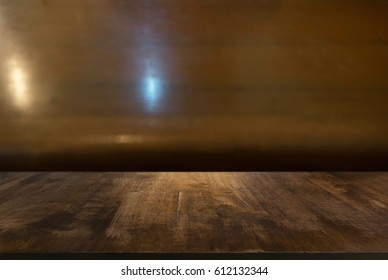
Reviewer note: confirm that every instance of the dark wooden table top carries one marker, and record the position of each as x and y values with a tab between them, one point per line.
193	212
193	85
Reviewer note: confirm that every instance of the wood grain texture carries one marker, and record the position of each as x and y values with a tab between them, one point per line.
193	212
193	85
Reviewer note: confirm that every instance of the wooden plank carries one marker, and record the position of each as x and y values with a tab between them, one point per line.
195	212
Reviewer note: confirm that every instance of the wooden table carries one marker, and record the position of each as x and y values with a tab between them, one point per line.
193	85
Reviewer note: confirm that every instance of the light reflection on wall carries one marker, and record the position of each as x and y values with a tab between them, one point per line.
152	83
14	70
152	90
18	84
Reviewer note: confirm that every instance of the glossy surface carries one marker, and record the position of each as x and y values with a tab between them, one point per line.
193	212
215	85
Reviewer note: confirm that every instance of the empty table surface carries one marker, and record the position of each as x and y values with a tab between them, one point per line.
193	85
193	212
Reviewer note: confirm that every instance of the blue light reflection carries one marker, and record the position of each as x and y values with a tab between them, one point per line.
152	91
